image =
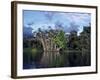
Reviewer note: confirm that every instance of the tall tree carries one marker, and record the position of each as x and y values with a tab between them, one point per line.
60	39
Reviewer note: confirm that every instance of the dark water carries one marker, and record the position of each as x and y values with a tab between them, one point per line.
53	59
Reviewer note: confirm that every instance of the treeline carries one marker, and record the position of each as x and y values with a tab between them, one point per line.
81	41
71	41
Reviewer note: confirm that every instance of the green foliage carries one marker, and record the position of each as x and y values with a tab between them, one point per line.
80	42
85	39
60	39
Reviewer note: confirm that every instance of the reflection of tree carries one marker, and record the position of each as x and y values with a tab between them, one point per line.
50	59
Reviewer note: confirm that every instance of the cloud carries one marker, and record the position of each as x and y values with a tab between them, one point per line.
42	26
69	21
75	21
78	18
73	27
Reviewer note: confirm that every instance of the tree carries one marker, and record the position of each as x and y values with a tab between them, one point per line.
59	39
85	38
73	42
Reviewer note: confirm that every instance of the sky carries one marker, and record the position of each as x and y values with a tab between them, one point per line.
67	21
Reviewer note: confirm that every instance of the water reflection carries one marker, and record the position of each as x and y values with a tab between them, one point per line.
50	59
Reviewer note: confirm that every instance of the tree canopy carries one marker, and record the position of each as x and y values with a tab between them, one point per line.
60	39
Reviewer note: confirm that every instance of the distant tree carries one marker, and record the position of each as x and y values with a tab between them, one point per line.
73	42
85	38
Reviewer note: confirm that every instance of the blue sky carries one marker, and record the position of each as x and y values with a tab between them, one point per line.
65	20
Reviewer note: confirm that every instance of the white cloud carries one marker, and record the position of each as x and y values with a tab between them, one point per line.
77	18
